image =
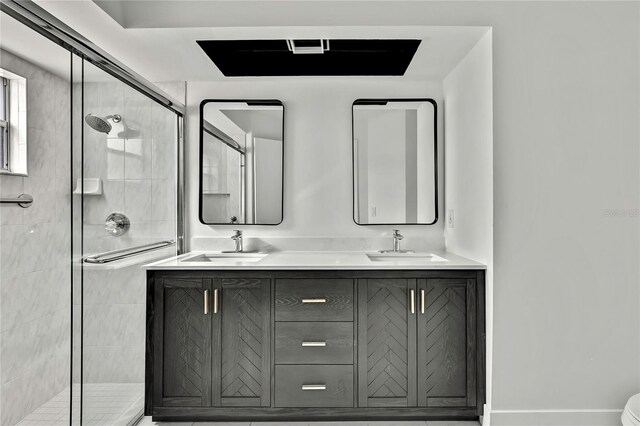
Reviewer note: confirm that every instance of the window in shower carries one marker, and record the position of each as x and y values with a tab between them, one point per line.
4	124
13	123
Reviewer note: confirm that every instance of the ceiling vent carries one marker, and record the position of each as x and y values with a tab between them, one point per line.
302	47
317	57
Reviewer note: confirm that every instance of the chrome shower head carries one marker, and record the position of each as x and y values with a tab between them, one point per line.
101	124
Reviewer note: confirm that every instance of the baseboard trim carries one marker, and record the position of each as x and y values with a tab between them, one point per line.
598	417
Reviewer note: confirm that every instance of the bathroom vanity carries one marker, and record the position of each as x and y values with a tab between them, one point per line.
315	336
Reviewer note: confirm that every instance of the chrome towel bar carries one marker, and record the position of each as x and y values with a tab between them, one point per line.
23	200
114	255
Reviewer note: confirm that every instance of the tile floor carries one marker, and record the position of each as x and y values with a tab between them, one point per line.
105	404
146	421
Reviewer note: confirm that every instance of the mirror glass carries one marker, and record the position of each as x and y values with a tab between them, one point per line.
394	162
241	162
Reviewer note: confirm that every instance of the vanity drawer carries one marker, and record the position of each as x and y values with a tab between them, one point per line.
314	343
314	386
314	300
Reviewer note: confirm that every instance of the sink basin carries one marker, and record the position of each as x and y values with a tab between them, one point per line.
226	258
405	257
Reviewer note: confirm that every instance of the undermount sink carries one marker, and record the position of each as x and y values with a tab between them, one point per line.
405	257
226	257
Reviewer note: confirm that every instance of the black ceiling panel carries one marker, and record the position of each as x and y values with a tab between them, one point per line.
270	58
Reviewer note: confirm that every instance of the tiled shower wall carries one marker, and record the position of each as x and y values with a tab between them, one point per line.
35	252
138	171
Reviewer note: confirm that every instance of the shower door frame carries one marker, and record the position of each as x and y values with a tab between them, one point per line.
41	21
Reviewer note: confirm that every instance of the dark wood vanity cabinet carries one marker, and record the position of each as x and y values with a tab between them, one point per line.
182	342
314	345
417	342
211	342
447	345
387	343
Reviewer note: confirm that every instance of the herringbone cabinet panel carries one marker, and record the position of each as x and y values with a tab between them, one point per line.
446	347
186	345
386	348
245	343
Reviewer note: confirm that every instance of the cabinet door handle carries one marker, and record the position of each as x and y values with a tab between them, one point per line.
317	343
206	302
314	387
412	300
318	300
422	301
216	300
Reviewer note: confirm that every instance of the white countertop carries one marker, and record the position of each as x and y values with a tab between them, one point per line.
316	260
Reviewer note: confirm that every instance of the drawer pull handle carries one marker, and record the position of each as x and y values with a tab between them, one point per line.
314	387
422	301
314	343
319	300
206	302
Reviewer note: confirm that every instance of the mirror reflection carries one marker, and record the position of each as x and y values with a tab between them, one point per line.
394	162
241	162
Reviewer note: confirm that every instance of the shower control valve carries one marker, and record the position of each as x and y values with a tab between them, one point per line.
117	224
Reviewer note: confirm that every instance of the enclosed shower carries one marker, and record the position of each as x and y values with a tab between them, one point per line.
101	168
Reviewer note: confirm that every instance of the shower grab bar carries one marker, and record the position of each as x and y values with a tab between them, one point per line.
114	255
23	200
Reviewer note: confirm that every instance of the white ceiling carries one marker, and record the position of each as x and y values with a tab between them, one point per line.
159	41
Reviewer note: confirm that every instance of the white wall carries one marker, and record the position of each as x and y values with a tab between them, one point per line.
468	128
318	176
566	278
566	282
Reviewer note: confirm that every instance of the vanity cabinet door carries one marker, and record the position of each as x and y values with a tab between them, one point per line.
182	335
447	343
386	342
242	343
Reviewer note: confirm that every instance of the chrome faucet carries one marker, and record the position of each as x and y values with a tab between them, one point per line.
397	236
237	237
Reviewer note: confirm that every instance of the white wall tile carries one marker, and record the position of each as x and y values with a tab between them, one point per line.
41	112
163	200
138	158
12	240
164	156
97	208
11	186
125	364
137	199
114	325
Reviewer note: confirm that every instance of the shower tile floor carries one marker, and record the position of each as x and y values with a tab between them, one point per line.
113	404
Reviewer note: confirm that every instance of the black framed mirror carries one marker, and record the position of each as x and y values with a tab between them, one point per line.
241	162
395	168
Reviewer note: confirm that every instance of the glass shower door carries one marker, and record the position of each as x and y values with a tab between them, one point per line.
126	181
